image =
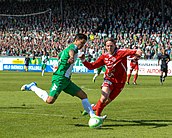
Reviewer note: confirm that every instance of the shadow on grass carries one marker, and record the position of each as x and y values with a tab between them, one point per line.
17	107
153	123
110	123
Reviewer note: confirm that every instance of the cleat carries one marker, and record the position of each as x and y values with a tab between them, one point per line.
23	87
101	117
85	112
27	87
128	83
163	79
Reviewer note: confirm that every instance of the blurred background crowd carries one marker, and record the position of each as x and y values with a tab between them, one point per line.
33	26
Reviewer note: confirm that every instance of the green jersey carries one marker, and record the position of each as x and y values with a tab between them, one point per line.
65	68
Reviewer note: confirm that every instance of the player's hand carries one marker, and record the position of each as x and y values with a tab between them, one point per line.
71	60
82	57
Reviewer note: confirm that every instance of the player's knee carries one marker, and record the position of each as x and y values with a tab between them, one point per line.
81	94
50	100
103	99
104	96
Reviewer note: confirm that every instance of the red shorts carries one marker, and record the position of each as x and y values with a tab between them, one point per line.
115	88
134	66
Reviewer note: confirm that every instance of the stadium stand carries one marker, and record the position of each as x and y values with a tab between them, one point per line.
29	26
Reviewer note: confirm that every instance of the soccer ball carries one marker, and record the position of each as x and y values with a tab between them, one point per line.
95	122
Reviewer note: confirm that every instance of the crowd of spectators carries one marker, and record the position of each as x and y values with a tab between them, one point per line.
132	22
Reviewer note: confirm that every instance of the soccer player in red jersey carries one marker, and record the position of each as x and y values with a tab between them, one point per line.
116	72
133	66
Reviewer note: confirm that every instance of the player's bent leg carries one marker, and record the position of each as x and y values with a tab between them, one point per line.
116	91
27	87
102	101
81	94
38	91
101	104
85	112
74	90
86	104
50	100
105	94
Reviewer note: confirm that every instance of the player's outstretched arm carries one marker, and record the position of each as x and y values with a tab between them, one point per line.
82	57
92	65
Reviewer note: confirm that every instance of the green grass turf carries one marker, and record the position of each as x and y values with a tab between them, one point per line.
140	111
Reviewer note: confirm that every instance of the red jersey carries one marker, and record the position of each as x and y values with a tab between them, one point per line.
116	64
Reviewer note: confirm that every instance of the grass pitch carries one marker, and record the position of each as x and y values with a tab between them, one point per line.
140	111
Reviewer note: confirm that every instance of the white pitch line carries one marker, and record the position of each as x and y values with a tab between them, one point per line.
34	114
83	87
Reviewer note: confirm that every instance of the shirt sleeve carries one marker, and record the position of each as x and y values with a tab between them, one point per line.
96	64
128	52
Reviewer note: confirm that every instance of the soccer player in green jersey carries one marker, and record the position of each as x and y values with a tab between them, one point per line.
98	71
61	77
44	59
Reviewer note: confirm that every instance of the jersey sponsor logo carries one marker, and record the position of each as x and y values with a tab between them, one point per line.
110	62
54	87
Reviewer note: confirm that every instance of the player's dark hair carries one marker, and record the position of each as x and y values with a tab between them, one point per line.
80	36
110	39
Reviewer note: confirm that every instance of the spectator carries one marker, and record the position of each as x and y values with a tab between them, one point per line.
130	22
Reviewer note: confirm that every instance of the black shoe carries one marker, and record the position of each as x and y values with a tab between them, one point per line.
161	82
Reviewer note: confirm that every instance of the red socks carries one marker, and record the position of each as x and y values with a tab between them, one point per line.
135	77
99	107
